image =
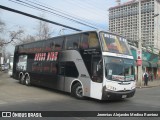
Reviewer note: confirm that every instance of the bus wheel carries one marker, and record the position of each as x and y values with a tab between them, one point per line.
27	80
77	91
21	79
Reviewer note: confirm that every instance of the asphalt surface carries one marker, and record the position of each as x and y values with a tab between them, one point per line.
17	97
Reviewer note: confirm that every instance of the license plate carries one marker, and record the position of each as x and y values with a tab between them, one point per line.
124	96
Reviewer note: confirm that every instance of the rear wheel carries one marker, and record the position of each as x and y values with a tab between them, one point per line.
21	79
77	91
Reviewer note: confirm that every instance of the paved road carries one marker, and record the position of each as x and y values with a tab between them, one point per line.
17	97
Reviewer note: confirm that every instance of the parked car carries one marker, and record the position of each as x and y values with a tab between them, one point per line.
6	66
2	67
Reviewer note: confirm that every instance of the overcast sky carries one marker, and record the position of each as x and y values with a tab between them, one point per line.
94	12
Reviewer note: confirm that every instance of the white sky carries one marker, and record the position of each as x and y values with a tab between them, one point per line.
92	11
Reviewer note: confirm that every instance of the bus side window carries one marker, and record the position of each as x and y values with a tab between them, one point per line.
89	40
59	43
84	41
71	70
68	69
22	63
72	42
51	44
93	40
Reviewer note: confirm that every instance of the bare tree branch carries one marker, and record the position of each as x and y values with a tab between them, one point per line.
14	35
2	25
43	30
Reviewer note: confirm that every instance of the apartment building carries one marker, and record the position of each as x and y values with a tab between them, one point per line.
124	20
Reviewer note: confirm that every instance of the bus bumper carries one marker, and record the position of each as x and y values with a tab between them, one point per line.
117	95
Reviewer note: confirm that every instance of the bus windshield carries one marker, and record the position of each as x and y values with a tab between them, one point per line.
119	69
114	43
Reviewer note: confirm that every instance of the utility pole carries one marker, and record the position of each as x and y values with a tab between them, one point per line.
140	49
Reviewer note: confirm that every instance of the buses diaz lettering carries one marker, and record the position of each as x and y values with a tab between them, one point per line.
50	56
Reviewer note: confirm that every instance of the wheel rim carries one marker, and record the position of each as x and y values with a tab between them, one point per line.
21	78
79	91
27	80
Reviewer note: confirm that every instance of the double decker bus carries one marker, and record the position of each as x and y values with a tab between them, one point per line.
94	64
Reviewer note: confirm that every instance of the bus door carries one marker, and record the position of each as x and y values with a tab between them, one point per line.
67	73
97	77
60	84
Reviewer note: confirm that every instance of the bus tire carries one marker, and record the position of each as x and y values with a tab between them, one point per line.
77	91
21	79
27	80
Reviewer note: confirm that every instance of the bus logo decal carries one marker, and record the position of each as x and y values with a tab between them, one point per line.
51	56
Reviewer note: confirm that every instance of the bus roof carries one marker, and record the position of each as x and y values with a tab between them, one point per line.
98	31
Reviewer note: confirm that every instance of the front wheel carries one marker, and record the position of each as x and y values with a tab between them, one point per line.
77	91
27	80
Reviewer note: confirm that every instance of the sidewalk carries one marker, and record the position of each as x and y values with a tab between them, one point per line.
153	83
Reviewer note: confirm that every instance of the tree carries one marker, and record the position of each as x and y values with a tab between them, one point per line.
2	26
26	39
15	36
43	30
7	55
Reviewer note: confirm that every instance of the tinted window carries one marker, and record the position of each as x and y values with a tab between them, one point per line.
93	40
71	70
84	41
49	45
59	43
72	42
89	40
22	63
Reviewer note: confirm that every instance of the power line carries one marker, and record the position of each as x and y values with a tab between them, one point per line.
54	13
54	9
65	14
79	6
36	17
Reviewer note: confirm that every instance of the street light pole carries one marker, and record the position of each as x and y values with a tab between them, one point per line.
140	48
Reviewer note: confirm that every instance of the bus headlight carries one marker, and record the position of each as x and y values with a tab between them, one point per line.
133	86
109	87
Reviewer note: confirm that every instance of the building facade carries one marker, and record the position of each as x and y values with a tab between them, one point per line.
150	62
124	20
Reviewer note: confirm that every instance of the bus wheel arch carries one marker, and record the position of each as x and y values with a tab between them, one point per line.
27	79
77	89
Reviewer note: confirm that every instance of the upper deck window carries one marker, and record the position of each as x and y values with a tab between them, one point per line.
72	42
115	44
89	40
